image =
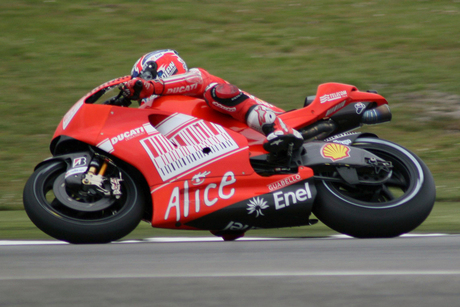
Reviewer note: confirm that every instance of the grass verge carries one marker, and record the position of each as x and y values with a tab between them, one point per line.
53	52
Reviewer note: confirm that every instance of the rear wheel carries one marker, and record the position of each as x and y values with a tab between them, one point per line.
397	206
82	216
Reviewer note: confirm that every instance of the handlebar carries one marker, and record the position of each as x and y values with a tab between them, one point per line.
122	100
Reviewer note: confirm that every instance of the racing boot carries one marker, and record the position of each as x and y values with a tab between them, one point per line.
279	135
259	115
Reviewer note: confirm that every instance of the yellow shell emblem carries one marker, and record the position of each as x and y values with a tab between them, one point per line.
335	151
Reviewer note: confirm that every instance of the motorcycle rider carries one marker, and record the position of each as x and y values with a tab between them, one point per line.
163	72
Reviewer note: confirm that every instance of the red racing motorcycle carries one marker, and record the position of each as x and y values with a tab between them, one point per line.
177	164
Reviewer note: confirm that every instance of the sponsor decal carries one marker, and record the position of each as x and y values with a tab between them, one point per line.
256	205
182	89
77	170
198	142
344	142
199	178
164	72
210	195
116	186
79	165
290	206
334	96
335	151
81	161
359	107
341	135
221	106
107	144
284	182
236	226
155	55
149	100
285	199
332	110
277	142
128	135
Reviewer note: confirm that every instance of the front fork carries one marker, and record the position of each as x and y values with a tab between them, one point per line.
93	174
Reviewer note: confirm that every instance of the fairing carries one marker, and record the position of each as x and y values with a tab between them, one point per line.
198	171
330	98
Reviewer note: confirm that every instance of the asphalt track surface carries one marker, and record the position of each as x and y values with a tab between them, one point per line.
335	271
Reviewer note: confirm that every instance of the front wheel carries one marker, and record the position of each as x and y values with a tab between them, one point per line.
83	217
397	206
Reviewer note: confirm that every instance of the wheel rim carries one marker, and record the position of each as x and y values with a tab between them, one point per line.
52	193
404	183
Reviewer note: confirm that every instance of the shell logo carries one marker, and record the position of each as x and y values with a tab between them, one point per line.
335	151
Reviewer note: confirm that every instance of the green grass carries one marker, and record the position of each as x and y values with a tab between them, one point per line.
53	52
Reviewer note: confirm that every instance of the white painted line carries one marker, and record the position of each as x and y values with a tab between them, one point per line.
147	240
407	235
413	235
200	239
246	274
313	273
14	242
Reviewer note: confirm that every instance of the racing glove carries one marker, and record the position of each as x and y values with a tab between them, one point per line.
138	88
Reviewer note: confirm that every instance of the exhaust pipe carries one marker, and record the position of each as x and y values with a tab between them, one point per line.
378	115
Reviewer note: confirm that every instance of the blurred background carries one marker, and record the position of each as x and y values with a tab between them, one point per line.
52	52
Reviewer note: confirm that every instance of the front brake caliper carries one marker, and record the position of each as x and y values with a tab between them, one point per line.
116	186
97	181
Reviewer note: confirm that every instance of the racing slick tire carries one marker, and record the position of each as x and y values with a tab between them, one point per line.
113	219
395	207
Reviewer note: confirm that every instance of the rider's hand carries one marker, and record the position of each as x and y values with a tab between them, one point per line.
138	88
